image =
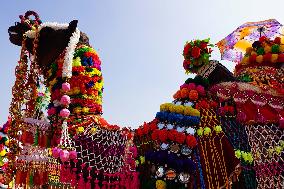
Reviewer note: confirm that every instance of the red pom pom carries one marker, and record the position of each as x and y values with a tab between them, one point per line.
191	141
172	134
163	135
155	134
267	57
252	58
280	58
262	39
153	126
180	138
186	48
195	52
203	45
277	40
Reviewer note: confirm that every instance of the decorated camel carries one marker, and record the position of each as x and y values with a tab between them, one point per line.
222	130
71	146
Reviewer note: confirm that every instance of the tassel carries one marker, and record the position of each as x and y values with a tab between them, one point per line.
18	178
73	177
81	184
97	184
62	174
108	185
88	184
122	181
104	185
135	180
116	184
128	182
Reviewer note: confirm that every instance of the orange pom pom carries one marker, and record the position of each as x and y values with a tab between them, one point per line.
193	95
184	93
177	95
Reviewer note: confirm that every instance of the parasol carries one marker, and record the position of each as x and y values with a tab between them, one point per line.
234	45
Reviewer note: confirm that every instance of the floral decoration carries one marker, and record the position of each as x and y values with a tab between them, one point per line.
264	52
196	53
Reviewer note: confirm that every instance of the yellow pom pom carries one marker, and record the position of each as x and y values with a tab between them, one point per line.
179	109
172	108
267	49
49	151
76	90
253	53
3	153
274	58
160	184
80	130
281	48
85	110
93	130
142	159
7	142
77	110
249	50
195	112
163	107
187	110
245	60
76	62
259	59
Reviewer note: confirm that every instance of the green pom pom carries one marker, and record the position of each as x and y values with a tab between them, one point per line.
207	131
275	48
238	154
260	51
278	150
249	157
200	131
218	129
281	142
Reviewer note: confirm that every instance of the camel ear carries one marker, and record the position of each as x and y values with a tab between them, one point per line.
72	25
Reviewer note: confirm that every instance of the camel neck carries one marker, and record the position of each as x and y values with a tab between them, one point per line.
86	83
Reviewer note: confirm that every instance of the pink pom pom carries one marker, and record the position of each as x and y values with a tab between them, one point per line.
222	111
56	152
64	155
51	111
65	100
200	89
64	113
65	87
73	154
281	123
183	86
133	149
191	86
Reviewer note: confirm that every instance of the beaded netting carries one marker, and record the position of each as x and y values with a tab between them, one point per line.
266	141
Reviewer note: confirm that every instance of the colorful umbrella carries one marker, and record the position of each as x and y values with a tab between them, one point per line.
234	45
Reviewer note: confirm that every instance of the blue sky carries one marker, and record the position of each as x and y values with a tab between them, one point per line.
139	42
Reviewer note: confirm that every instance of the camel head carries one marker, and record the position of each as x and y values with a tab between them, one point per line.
51	41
